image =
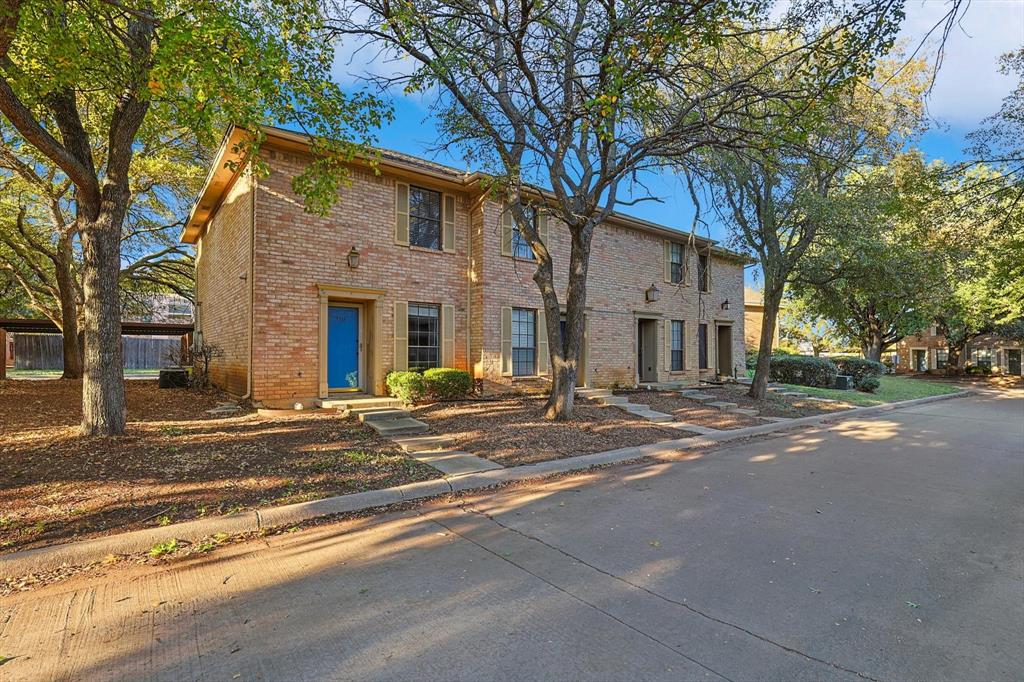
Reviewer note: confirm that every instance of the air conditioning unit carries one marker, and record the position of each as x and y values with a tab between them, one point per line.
844	382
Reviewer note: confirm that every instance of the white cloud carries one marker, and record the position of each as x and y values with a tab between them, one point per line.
969	86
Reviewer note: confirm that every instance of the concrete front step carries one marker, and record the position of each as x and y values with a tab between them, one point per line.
741	410
357	403
612	400
455	462
366	414
793	394
415	444
593	392
722	405
647	413
405	426
697	396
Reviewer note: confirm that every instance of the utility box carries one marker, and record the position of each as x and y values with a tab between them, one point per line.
844	382
173	378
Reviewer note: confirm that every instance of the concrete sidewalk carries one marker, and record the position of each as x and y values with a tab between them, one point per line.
883	547
88	551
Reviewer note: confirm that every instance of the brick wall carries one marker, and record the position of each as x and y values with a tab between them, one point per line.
222	259
295	253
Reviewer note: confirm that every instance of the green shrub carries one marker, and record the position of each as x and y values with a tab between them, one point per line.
868	384
446	383
406	386
804	370
860	369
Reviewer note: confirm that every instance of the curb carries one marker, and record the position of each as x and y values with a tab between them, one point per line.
89	551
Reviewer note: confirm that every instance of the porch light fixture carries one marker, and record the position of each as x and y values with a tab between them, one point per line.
652	294
725	304
353	258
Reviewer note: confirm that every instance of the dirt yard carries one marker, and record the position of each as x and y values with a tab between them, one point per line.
690	411
775	405
514	431
175	462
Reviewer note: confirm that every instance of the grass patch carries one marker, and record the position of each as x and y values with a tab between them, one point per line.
891	389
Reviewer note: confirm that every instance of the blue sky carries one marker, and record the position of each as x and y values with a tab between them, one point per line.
967	88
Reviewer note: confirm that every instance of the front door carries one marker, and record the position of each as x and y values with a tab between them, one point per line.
1013	360
647	350
343	348
724	350
920	360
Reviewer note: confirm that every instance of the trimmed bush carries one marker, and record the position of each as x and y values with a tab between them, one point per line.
860	369
406	386
446	383
804	370
868	384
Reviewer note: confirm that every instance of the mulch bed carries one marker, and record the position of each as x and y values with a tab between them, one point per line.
514	431
690	411
175	462
775	405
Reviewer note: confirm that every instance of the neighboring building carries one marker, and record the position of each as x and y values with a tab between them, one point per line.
753	313
167	308
928	350
416	267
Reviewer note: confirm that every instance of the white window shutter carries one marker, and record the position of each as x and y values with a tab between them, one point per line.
543	356
506	342
448	228
401	336
402	214
447	336
668	261
506	231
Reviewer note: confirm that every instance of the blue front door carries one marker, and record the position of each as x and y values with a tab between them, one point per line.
343	348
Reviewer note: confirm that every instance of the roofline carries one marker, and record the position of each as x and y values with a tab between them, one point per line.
221	177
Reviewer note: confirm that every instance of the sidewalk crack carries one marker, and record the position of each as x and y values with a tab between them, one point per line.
669	600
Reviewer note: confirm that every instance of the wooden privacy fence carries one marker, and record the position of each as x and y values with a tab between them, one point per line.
46	351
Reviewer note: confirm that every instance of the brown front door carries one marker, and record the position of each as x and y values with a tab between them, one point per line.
647	350
725	350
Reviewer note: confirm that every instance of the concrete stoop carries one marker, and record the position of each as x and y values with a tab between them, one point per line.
434	451
607	398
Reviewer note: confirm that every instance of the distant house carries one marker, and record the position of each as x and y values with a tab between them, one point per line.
753	313
927	350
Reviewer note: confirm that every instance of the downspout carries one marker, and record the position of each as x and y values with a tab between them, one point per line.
252	281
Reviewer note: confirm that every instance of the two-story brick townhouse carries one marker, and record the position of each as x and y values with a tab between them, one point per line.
417	267
927	350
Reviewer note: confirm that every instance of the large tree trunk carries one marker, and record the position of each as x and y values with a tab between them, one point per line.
769	318
103	402
68	309
871	347
565	352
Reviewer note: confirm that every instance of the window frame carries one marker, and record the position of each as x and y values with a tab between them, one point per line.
518	334
702	346
941	358
676	268
519	241
419	365
681	349
416	218
704	272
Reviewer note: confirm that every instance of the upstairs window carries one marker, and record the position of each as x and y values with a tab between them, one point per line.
424	218
520	246
703	273
675	261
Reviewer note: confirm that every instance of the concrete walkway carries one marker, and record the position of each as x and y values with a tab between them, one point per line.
883	547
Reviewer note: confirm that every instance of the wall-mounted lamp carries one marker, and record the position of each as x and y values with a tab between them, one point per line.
652	294
725	304
353	258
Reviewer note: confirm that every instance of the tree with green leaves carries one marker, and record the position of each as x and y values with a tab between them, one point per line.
75	76
564	103
782	195
800	325
881	274
39	238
